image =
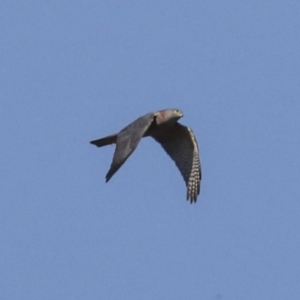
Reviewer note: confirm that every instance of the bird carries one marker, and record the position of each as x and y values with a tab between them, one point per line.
177	140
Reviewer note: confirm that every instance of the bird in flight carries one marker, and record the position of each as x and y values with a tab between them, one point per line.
176	139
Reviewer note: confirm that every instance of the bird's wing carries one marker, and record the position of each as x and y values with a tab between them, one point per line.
127	141
180	143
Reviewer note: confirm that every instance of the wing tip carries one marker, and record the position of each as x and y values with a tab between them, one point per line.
192	193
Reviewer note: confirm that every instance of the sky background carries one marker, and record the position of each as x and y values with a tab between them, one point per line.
74	71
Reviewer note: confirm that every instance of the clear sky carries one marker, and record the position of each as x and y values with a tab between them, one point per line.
73	71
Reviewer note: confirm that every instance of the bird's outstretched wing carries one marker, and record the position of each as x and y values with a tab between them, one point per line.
127	141
180	143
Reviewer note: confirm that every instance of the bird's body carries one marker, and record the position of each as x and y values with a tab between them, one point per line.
177	140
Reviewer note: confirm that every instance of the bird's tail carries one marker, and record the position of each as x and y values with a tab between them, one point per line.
108	140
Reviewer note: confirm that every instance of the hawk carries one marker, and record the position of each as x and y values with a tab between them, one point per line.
176	139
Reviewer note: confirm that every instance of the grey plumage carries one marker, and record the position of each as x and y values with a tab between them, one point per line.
177	140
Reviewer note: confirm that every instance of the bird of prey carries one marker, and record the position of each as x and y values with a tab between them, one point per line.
177	140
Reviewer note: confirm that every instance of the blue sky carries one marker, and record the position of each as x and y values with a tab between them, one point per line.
73	71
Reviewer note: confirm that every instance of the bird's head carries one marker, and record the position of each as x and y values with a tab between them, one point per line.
169	116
